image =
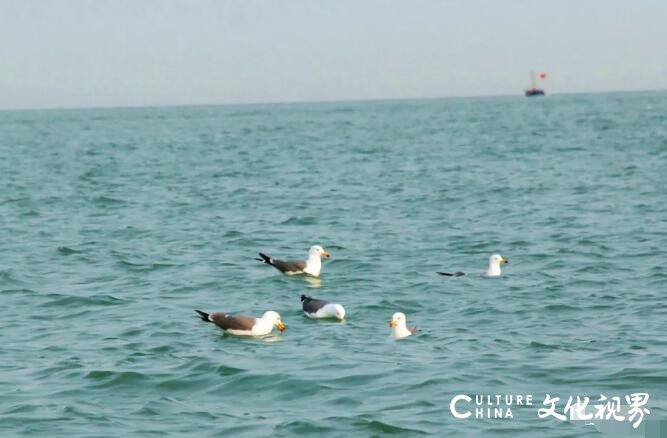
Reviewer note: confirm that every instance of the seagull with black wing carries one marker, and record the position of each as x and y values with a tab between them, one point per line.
311	266
244	325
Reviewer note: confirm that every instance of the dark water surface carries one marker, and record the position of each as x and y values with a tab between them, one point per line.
115	224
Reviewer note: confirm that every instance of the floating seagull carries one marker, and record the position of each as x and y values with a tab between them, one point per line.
244	325
314	308
312	266
494	267
399	329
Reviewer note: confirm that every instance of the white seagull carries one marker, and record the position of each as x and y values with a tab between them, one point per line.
399	328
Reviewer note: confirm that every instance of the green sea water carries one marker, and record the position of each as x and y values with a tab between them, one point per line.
115	224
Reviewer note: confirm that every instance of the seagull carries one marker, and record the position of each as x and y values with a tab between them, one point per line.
493	271
244	325
312	266
399	329
314	308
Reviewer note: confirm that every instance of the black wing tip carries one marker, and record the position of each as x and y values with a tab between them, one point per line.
264	258
203	315
452	274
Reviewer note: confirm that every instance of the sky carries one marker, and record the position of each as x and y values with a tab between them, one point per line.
99	53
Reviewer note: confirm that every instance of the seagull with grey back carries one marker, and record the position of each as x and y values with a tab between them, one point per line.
493	270
311	266
315	308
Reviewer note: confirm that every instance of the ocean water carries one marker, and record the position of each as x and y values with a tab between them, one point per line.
116	224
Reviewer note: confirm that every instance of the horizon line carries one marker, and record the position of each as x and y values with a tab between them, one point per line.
315	101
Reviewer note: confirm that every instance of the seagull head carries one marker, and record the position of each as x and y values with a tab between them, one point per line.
340	311
274	318
318	251
498	260
397	320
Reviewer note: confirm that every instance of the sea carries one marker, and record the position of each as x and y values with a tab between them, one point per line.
116	224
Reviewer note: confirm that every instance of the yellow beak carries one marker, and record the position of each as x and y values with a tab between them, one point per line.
504	261
392	323
280	326
325	254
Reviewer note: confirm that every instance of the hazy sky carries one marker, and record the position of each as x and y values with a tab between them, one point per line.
72	53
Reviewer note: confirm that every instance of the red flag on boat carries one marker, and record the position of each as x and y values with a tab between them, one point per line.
543	75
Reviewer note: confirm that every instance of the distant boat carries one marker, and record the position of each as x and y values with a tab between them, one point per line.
534	90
